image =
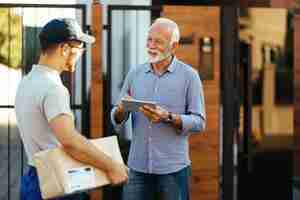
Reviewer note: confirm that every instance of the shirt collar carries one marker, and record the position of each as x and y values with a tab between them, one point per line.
171	67
47	70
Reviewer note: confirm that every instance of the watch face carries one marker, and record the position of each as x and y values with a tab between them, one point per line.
170	117
167	119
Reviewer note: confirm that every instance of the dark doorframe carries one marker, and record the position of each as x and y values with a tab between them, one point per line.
245	155
259	167
229	93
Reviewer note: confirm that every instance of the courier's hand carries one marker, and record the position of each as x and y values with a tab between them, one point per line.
118	173
155	115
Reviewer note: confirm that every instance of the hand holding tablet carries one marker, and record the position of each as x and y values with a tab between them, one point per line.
133	105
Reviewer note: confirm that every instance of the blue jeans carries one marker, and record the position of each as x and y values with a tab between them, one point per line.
30	189
173	186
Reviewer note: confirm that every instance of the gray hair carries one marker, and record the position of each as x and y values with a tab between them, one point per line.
172	26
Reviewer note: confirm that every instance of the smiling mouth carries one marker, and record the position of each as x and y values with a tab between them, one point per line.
153	54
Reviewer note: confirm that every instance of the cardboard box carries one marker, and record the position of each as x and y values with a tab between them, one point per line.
61	175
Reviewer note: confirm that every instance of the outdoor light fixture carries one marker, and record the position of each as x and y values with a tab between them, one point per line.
206	58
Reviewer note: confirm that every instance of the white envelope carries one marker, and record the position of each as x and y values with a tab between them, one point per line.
60	175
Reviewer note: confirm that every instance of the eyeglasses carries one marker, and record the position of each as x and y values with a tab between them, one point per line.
81	49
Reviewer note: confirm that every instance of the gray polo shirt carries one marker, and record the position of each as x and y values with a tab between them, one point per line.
40	97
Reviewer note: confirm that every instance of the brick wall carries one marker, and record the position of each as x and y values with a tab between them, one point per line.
282	3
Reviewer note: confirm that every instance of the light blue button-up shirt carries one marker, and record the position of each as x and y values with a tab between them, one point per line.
158	148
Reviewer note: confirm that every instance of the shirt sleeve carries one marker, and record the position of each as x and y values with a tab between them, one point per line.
57	102
195	118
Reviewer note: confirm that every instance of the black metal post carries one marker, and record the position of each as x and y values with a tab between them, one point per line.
247	114
229	50
245	153
84	95
108	106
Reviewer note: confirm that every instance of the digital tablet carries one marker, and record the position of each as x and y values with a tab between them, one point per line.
133	105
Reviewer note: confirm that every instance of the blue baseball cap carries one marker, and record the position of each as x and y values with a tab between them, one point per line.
62	30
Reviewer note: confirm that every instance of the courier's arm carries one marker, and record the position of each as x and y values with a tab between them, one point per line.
83	150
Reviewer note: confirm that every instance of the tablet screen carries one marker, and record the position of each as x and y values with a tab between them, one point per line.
133	105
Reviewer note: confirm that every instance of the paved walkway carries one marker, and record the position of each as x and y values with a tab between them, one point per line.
296	194
10	165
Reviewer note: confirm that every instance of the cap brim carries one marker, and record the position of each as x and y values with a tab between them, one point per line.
87	38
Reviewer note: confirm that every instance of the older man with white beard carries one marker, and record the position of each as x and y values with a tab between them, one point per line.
159	153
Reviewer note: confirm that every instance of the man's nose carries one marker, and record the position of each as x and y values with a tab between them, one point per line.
151	45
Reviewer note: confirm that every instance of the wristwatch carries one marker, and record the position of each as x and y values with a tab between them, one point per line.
169	119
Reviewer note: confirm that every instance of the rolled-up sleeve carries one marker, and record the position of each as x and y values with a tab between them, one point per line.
192	123
194	120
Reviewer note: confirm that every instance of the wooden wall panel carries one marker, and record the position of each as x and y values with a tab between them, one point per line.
282	3
297	93
96	104
204	147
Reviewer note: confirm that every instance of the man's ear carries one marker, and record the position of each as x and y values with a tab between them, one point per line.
65	50
174	47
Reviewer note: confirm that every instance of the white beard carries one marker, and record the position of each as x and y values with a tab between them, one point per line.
159	56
